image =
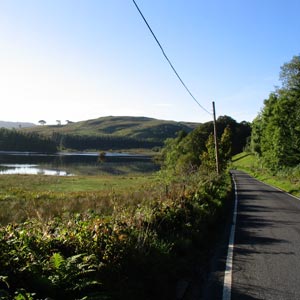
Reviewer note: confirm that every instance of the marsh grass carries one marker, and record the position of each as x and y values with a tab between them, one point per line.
29	196
71	183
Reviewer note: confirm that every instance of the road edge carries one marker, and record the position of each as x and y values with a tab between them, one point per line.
229	261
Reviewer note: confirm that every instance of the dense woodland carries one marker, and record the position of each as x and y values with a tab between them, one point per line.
14	140
276	130
105	142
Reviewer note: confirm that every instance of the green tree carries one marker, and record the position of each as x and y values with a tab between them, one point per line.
173	150
188	151
290	74
225	147
255	144
276	131
208	157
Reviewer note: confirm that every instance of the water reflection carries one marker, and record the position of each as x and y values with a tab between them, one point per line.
66	164
29	170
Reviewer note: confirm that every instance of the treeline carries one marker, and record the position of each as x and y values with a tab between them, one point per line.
13	140
86	142
276	130
189	151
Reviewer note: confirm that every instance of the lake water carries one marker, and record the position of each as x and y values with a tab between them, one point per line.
70	164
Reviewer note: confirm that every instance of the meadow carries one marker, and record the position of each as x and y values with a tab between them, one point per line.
44	197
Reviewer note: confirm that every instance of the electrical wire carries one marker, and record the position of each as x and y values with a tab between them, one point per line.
168	60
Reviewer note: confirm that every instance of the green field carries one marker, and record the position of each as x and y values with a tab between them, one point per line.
27	196
37	183
287	179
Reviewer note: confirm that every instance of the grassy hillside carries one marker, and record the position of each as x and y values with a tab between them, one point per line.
130	127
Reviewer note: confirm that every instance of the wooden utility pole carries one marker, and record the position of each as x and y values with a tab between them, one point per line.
216	140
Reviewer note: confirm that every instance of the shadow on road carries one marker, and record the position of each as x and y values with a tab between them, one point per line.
261	246
261	241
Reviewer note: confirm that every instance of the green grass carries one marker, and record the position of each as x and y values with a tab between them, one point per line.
31	196
37	183
287	179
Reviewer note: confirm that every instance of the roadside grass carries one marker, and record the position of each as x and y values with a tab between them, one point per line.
287	179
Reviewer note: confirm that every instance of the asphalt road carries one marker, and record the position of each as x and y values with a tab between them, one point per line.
266	255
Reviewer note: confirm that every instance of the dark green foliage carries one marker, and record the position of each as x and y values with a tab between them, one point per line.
188	151
240	132
276	131
225	146
104	142
255	144
13	140
208	157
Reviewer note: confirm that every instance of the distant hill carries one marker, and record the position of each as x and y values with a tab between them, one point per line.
10	125
138	128
124	133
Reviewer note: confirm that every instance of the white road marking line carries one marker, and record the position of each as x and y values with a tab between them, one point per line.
228	271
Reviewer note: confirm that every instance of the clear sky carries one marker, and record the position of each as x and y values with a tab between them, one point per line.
83	59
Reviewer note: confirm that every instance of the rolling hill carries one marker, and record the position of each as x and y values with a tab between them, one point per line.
138	128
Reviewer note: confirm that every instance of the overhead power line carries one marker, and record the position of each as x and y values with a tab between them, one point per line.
168	60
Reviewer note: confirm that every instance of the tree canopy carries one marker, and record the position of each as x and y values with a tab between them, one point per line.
188	151
14	140
276	130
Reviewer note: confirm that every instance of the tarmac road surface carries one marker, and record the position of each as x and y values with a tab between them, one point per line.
266	257
266	252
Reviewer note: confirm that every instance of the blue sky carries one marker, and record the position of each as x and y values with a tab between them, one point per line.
83	59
